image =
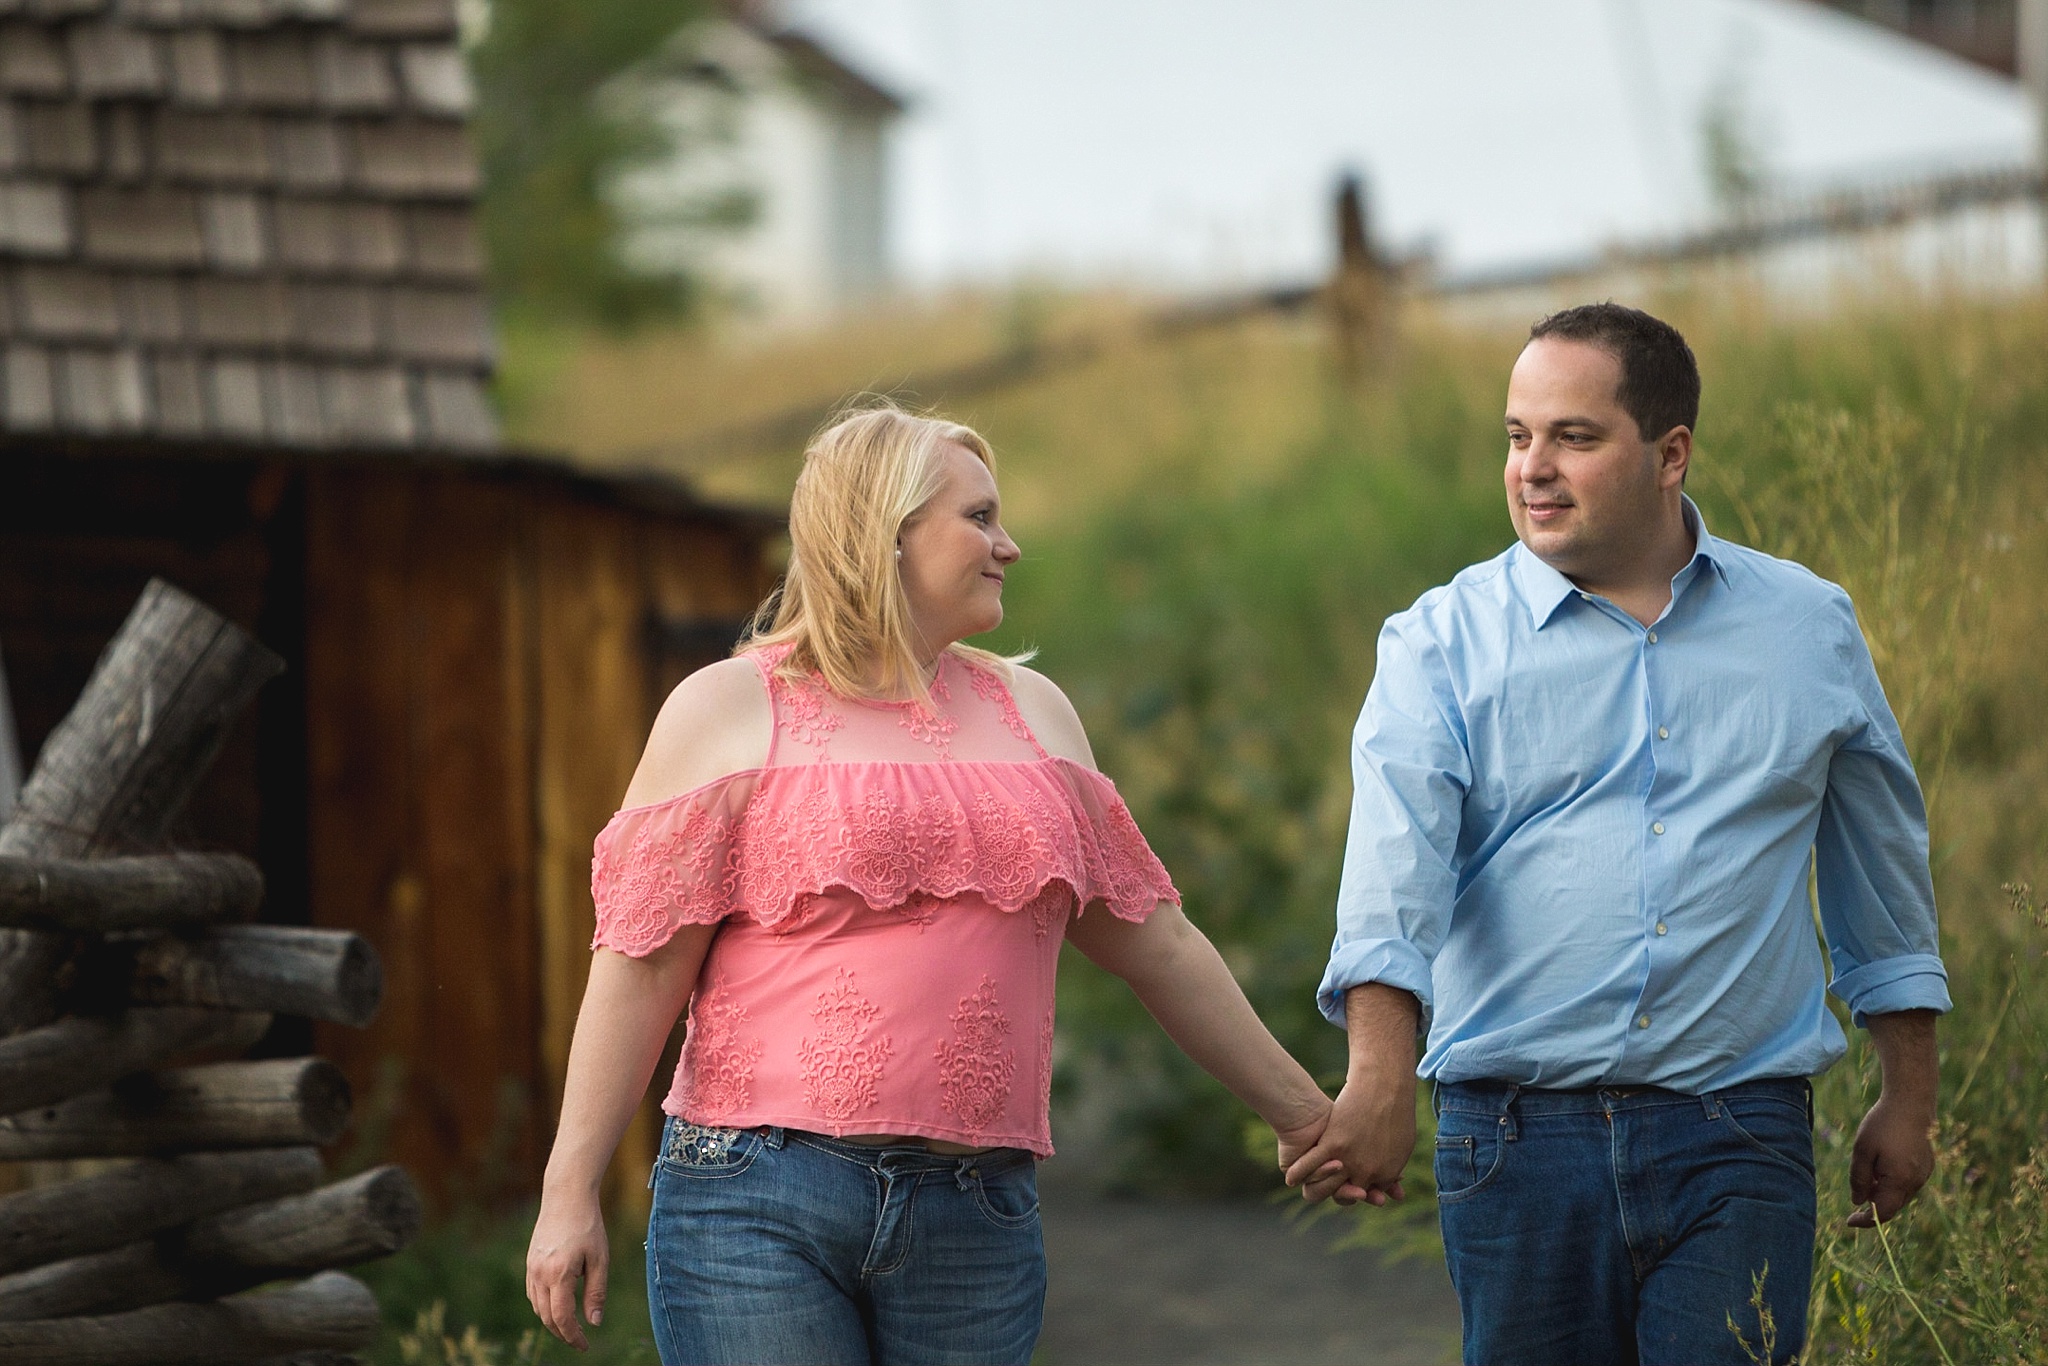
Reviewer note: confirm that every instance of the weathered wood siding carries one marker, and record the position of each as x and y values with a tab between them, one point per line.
483	664
419	772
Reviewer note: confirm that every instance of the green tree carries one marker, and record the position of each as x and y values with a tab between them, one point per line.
552	144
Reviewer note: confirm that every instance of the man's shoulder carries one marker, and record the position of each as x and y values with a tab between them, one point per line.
1785	584
1484	586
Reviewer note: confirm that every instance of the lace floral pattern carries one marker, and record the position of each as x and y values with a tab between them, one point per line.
800	710
813	829
929	727
975	1070
1049	908
990	688
842	1062
663	878
718	1063
1045	1037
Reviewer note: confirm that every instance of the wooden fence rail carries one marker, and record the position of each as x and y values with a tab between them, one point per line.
120	960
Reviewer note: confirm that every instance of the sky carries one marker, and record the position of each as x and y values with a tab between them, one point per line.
1195	142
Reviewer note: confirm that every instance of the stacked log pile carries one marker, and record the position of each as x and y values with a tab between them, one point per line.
126	974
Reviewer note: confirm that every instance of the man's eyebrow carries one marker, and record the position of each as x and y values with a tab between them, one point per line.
1555	423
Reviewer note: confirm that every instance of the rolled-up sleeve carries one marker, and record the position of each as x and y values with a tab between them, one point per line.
1410	771
1870	860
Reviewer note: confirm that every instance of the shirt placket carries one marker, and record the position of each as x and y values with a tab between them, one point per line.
1660	838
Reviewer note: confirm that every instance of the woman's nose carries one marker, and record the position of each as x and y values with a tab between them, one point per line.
1006	551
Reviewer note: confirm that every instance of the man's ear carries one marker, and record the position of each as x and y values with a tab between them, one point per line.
1674	457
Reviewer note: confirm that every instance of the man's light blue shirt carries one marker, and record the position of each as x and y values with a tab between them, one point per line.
1585	844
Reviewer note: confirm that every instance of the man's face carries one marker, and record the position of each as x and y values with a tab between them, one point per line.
1584	488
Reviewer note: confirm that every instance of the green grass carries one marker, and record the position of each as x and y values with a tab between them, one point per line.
1213	532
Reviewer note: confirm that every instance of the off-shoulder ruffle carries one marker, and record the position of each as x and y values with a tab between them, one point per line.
759	843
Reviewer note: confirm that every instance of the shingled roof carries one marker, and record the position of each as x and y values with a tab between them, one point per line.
247	221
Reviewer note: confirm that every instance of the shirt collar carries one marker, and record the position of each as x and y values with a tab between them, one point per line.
1546	590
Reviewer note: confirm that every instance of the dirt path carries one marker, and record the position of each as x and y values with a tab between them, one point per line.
1226	1284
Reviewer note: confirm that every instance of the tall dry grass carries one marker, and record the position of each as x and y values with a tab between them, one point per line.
1213	530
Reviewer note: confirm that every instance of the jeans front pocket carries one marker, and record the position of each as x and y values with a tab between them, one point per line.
1774	1126
1470	1148
700	1150
1007	1197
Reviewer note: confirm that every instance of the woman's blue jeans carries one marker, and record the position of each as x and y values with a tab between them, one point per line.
776	1246
1626	1225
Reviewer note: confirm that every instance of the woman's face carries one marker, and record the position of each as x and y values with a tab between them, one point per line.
954	554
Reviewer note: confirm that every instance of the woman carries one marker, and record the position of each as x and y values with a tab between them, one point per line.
853	851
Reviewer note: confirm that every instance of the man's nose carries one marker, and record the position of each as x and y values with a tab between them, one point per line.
1539	465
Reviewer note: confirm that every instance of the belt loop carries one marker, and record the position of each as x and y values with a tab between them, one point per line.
1508	1123
774	1136
1436	1098
1710	1104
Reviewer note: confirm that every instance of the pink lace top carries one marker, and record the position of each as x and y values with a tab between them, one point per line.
891	887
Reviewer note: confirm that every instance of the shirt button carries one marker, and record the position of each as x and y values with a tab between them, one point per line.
1657	828
1642	1022
1663	734
1662	928
1653	637
1585	597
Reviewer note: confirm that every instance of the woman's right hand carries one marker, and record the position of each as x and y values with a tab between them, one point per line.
568	1245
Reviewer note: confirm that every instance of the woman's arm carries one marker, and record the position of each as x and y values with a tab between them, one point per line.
716	722
1179	977
1177	973
629	1007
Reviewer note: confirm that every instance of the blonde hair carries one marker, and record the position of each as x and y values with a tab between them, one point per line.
841	604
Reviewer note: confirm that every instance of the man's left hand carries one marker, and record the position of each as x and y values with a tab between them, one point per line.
1894	1153
1893	1159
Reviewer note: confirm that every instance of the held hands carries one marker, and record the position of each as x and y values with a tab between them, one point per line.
1362	1148
568	1245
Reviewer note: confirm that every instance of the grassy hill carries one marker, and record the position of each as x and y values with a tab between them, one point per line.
1214	527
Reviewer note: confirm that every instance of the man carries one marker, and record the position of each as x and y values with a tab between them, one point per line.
1592	775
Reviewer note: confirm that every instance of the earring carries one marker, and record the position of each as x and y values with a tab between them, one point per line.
899	552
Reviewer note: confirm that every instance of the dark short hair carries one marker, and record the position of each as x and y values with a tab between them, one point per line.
1660	380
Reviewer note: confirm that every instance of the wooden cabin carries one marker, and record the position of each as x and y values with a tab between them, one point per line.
244	345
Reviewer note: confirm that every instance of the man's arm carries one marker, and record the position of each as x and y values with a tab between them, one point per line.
1371	1133
1877	911
1894	1153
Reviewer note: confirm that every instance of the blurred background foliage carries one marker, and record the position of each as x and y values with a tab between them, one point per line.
1214	527
553	135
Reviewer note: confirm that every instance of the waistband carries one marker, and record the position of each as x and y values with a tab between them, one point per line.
900	1158
1501	1097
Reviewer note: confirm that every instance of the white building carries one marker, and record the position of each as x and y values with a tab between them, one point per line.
1193	145
775	130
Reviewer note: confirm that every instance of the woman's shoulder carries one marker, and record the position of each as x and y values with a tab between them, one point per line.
1050	715
716	722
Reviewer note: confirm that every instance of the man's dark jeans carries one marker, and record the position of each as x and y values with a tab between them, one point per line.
1626	1225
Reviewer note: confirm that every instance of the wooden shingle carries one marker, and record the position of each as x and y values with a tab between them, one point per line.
198	62
273	70
112	60
352	77
212	148
414	159
402	18
34	220
31	393
32	61
241	220
154	227
61	139
236	231
65	303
